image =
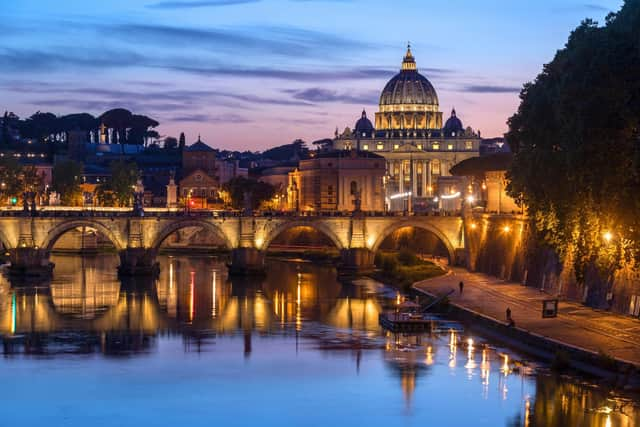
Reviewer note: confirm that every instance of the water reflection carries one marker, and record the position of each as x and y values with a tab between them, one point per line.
85	309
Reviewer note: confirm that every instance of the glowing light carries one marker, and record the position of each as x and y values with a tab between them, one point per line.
259	242
213	294
505	365
400	195
506	229
192	296
429	360
450	196
471	199
607	236
13	313
398	301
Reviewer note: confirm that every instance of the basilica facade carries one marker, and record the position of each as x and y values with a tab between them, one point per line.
418	149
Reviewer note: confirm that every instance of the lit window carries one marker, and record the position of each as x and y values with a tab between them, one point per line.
419	146
468	145
436	146
450	147
365	147
380	146
396	146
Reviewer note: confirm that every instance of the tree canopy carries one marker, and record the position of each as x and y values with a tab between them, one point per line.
576	145
241	187
67	175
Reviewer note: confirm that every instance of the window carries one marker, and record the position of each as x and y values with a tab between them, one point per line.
435	146
354	187
419	146
435	167
450	147
396	146
330	190
330	165
468	145
364	134
380	146
365	147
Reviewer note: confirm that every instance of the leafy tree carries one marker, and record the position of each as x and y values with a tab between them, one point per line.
67	175
294	151
182	142
576	145
10	182
39	126
118	119
118	190
140	132
170	143
240	187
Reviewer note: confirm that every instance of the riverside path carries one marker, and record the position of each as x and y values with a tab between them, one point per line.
576	325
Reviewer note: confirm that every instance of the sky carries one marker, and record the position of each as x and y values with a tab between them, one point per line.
251	74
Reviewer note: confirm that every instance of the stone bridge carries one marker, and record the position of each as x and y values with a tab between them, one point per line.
29	239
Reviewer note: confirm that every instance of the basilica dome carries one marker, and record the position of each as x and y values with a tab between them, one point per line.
409	90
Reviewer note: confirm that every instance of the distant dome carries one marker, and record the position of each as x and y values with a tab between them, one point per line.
364	127
453	125
409	88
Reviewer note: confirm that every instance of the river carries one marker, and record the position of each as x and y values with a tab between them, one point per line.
297	347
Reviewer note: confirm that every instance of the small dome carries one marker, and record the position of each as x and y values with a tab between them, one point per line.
453	125
364	127
409	87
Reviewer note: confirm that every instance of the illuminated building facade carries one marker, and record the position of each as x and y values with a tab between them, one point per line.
409	133
338	181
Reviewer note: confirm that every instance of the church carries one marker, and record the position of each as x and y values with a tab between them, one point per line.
418	149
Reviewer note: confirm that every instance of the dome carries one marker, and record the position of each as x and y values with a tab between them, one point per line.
364	127
409	87
453	125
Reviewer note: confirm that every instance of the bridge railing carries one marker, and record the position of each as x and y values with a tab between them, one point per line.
55	212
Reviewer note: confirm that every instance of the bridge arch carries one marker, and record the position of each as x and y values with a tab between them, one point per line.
191	222
57	231
387	231
287	225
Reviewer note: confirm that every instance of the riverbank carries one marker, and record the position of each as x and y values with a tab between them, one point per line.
592	341
403	269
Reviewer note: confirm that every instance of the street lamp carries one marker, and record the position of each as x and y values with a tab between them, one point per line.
607	236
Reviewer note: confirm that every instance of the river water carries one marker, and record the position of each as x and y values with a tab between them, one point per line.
296	348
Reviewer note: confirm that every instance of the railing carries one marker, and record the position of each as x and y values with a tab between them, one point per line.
57	211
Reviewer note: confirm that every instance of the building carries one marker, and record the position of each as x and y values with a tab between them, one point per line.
411	137
200	156
486	183
338	181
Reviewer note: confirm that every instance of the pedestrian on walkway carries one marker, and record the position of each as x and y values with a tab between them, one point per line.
461	285
508	314
510	322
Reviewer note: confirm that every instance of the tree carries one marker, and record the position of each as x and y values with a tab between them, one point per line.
10	182
140	132
118	190
576	145
170	143
118	119
239	187
182	141
67	175
39	126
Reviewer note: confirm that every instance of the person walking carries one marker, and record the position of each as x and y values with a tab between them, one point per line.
461	285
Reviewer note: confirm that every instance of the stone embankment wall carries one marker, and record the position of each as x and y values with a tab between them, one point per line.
500	245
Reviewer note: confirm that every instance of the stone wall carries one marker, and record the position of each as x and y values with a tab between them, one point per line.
501	246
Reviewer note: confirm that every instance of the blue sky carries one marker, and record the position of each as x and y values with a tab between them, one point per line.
249	74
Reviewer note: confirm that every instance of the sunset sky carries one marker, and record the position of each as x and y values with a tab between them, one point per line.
250	74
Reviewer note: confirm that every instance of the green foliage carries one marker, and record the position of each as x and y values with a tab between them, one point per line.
294	151
66	181
16	179
576	145
241	187
404	268
118	191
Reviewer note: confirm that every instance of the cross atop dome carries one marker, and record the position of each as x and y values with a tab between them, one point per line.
409	62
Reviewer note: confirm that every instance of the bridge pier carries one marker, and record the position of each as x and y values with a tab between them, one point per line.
138	262
356	261
30	263
246	261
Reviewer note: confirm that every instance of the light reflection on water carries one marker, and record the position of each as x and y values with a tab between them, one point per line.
294	348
